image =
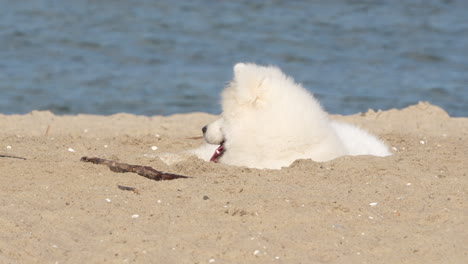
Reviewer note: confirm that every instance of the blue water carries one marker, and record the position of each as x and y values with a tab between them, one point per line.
162	57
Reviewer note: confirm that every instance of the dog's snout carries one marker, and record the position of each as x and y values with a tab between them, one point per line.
204	129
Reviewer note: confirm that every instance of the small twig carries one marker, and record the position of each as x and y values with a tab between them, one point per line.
145	171
13	157
126	188
47	131
200	137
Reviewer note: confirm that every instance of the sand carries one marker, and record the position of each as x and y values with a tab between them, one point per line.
407	208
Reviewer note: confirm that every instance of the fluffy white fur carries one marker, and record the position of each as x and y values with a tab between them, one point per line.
269	121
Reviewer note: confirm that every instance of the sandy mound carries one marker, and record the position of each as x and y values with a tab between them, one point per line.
407	208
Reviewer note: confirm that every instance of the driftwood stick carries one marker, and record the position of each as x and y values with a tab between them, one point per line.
145	171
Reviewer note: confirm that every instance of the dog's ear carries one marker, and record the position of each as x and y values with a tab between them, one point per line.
250	84
238	68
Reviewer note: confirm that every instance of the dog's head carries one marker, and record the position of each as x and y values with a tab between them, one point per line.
242	101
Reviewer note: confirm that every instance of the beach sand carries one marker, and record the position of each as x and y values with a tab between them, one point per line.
407	208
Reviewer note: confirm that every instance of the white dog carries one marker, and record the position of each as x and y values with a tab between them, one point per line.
269	121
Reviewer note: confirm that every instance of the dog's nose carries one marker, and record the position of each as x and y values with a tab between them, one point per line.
204	129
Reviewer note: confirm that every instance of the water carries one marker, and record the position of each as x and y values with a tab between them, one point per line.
163	57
